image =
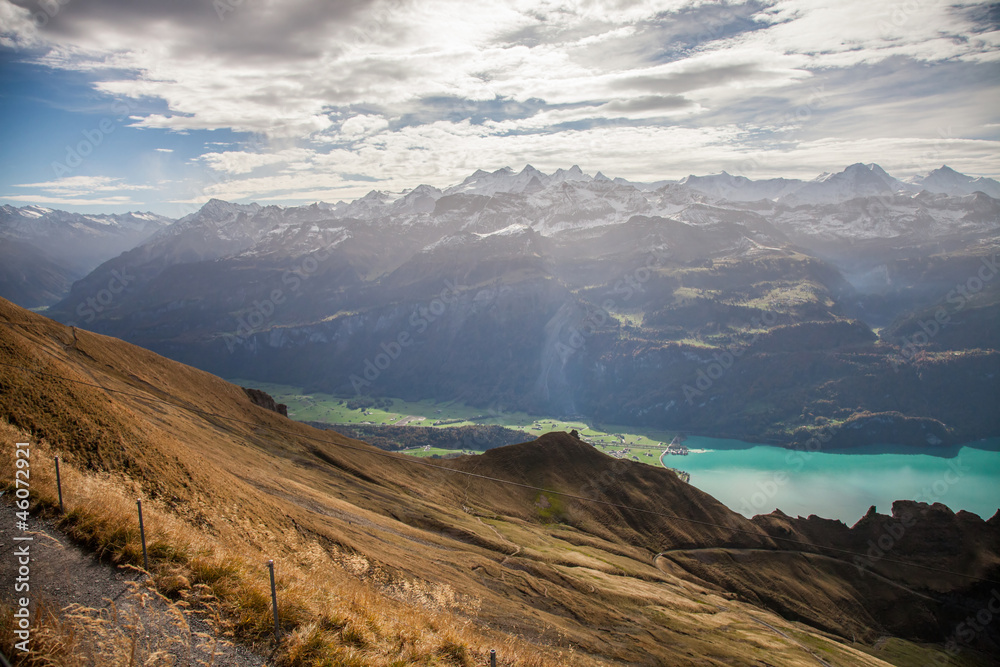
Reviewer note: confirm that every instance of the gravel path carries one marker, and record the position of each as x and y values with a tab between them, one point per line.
114	618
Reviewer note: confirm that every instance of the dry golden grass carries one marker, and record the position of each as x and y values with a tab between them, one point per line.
328	617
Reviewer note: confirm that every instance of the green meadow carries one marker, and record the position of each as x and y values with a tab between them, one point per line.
645	445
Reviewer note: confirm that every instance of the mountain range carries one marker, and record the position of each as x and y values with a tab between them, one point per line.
761	309
43	251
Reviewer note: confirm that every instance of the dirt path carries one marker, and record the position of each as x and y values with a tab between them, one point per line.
110	616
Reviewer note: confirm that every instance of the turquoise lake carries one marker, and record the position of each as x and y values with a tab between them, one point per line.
756	479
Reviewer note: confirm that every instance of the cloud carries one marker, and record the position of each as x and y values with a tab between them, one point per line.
691	78
74	201
17	26
842	33
649	103
164	150
273	187
81	185
406	92
255	29
243	162
362	125
286	69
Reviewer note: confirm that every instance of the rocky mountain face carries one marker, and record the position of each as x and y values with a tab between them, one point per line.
715	304
42	251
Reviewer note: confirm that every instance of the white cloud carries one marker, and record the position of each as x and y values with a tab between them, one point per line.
362	126
18	28
242	162
841	33
625	87
164	150
81	185
73	201
264	188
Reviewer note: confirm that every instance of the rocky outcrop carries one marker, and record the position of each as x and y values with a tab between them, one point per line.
266	401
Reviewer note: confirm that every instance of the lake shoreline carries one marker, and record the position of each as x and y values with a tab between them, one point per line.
843	485
941	451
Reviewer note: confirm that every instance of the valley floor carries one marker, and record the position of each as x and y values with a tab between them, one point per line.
643	445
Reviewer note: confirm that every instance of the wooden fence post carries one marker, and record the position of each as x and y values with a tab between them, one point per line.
142	535
274	602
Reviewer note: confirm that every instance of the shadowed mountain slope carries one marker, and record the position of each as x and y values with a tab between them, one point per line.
571	295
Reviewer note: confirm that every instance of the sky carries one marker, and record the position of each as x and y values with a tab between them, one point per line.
115	105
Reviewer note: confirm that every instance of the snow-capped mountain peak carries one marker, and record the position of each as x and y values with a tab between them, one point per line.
857	180
506	180
945	180
574	173
77	241
370	206
218	208
420	199
35	211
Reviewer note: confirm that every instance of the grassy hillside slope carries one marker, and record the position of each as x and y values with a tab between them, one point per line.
383	560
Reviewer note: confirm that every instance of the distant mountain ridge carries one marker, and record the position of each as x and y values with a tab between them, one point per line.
577	295
946	180
77	236
857	180
63	246
570	294
570	199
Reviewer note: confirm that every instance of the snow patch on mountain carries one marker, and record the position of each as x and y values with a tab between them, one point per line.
509	230
946	180
857	180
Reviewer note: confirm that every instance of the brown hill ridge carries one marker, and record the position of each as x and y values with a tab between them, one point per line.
385	560
671	512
